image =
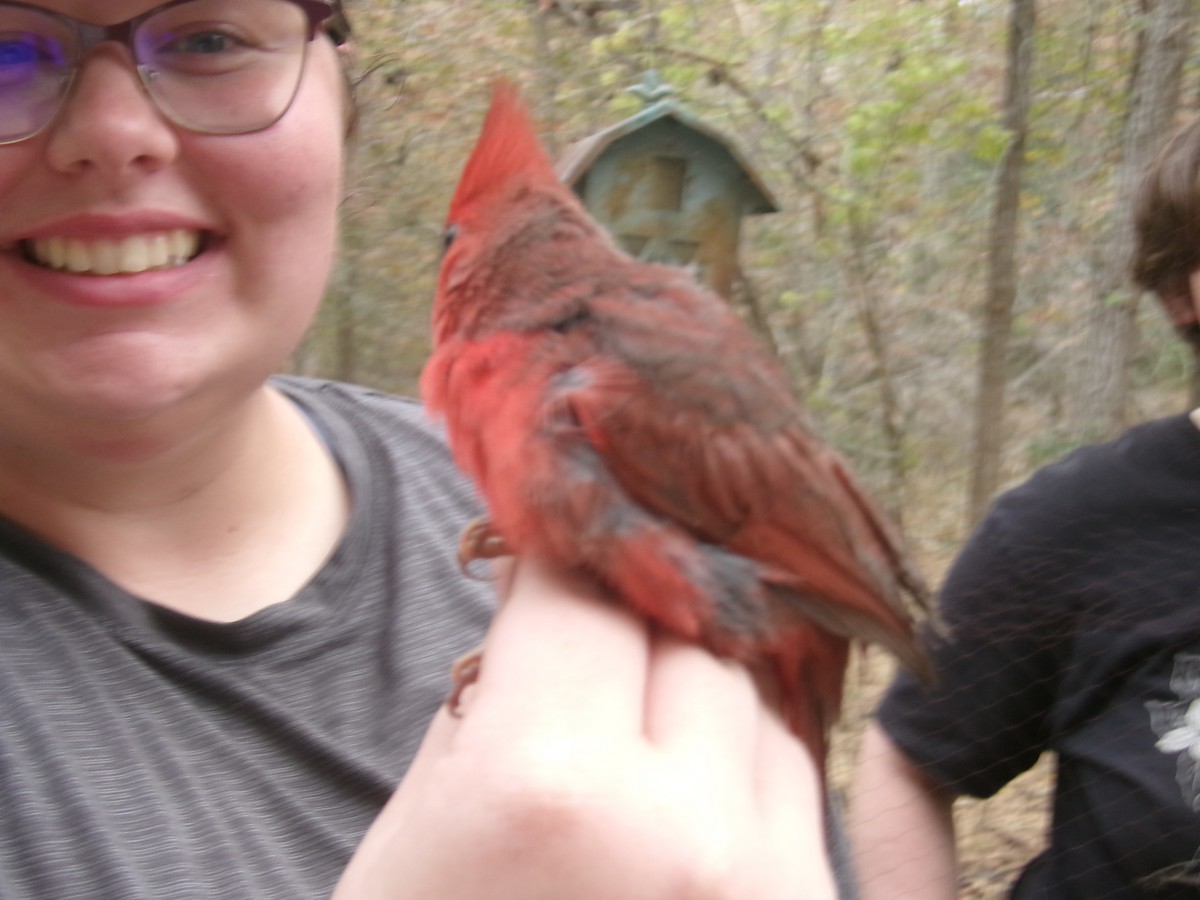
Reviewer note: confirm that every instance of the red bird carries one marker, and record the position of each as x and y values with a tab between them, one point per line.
621	422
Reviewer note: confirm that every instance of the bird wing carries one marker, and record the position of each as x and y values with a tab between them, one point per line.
696	422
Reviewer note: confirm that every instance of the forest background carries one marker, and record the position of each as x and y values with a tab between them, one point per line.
946	277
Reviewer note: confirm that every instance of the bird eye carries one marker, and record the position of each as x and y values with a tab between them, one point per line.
448	236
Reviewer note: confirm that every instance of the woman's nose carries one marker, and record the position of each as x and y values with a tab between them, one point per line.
108	122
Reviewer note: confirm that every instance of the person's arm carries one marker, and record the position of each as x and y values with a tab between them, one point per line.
901	826
597	759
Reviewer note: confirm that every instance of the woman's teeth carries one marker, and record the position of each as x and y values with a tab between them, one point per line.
127	256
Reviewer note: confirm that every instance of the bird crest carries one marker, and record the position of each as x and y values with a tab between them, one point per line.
507	147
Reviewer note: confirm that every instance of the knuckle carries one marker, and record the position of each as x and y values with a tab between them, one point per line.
548	791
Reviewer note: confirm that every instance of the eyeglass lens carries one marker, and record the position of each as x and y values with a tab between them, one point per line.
213	66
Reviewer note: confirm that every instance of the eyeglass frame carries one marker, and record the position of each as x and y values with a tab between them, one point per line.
91	35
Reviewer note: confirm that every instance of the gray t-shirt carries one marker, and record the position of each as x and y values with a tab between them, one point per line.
148	754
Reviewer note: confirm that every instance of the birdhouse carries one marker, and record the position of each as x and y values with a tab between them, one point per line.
668	187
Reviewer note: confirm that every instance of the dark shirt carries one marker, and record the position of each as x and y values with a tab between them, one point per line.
1074	619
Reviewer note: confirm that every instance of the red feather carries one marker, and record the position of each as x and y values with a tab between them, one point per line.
622	422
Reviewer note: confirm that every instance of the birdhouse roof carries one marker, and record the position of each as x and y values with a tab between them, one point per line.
579	157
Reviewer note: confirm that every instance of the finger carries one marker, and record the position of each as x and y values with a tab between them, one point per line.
439	738
790	787
557	652
701	707
502	576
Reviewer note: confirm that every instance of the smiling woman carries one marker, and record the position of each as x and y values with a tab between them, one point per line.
183	572
110	167
229	600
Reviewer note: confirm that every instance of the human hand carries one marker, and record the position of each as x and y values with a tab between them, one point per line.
598	759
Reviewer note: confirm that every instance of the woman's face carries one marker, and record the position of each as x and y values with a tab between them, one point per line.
110	354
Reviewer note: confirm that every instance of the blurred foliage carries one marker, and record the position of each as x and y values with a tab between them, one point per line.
876	124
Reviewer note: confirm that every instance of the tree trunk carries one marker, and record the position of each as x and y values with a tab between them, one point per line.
866	299
1102	393
1002	266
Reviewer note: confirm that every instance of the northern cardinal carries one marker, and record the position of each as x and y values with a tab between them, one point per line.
620	421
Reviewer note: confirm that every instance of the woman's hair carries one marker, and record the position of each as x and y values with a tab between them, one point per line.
339	31
338	26
1167	229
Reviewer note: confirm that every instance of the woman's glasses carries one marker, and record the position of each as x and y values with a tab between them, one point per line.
211	66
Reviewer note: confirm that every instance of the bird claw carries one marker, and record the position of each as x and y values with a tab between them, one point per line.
464	672
479	540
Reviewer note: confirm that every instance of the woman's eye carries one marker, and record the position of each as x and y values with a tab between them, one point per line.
17	53
202	43
206	42
28	50
208	50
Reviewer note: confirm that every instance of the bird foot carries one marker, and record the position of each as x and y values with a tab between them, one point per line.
464	672
479	540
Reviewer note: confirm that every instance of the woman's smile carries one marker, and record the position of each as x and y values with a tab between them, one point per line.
115	256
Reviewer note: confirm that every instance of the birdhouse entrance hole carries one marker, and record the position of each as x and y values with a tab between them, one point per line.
667	177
